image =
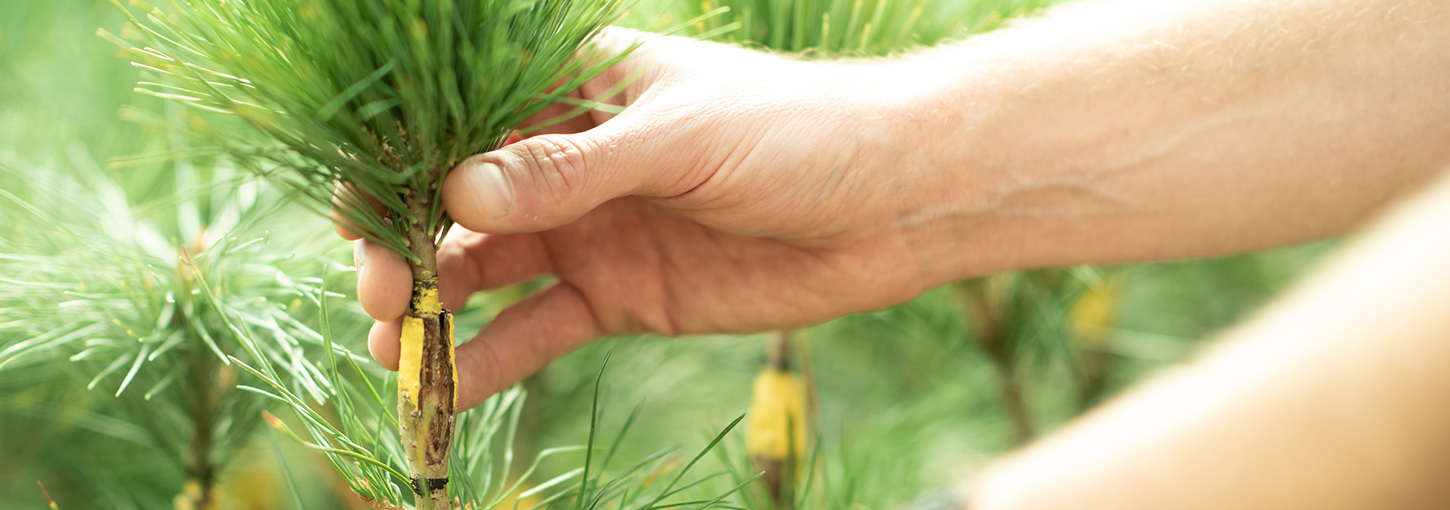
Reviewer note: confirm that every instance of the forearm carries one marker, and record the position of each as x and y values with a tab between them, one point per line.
1145	130
1333	398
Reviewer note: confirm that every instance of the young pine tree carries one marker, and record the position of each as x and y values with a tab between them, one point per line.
142	304
379	98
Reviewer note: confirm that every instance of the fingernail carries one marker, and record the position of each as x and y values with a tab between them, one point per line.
487	184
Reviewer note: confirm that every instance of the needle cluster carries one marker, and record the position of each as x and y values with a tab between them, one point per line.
384	96
146	314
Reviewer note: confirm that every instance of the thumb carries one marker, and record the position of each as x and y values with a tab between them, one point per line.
551	180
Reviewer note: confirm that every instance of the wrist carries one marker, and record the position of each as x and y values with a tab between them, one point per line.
947	141
942	135
1012	162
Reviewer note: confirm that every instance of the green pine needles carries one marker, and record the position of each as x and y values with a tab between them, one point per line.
89	278
825	26
834	28
381	97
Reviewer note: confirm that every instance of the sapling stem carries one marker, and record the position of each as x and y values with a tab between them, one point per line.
775	434
380	96
427	378
994	338
203	394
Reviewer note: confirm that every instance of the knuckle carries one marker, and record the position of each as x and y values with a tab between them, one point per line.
559	163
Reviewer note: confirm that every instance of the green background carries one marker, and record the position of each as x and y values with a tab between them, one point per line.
908	400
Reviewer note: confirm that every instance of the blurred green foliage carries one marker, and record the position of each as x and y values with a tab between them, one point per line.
909	399
61	84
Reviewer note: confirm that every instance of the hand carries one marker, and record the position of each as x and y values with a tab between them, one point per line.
737	192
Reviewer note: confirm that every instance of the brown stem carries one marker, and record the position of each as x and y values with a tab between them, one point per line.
203	408
203	395
427	380
778	473
777	351
993	337
1096	367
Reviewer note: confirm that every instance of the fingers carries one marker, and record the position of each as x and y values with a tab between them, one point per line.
347	201
644	56
469	262
521	340
551	180
613	40
384	282
384	343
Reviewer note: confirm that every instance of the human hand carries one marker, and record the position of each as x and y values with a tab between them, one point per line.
737	192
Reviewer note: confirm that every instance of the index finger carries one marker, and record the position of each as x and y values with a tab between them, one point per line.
348	201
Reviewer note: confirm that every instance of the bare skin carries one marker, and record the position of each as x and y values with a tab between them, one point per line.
717	202
1333	398
743	192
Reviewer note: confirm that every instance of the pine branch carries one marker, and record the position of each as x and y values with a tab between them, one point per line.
90	280
382	97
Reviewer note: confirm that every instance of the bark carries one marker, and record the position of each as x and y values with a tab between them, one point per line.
427	378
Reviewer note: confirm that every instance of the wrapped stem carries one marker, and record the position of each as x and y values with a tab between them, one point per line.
775	434
427	377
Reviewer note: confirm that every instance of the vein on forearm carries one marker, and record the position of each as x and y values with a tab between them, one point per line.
1140	130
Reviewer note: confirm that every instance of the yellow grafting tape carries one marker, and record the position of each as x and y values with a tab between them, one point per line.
426	303
777	406
410	358
452	361
1091	318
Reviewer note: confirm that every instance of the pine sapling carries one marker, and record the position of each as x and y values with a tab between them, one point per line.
377	99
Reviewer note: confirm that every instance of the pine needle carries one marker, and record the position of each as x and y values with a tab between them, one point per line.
384	95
